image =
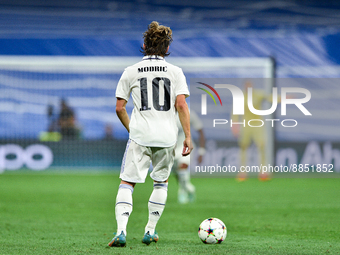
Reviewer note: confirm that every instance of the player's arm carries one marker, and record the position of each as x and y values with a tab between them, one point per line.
184	117
122	113
235	129
197	124
201	150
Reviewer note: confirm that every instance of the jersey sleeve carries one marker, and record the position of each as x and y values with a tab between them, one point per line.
123	88
181	86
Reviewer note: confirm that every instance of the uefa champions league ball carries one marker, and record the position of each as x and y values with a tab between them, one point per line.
212	231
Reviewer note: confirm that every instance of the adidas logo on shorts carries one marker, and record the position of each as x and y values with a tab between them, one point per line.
126	214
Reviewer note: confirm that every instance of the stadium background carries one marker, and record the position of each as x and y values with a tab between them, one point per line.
302	36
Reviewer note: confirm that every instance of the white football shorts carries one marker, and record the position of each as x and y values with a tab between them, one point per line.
137	159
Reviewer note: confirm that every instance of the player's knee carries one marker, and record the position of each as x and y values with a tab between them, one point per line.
183	167
128	183
160	185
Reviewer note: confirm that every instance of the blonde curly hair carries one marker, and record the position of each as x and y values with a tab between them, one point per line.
157	40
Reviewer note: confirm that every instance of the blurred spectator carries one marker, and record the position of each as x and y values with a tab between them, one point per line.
108	132
67	122
52	120
52	134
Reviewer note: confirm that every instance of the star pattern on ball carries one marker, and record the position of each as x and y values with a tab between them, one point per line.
210	231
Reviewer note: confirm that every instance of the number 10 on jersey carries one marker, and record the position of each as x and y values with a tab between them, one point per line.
155	94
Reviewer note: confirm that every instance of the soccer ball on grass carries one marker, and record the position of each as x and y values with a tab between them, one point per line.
212	231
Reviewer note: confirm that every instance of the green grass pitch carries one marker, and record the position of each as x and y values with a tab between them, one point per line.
46	213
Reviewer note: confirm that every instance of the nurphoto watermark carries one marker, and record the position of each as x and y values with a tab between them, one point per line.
266	125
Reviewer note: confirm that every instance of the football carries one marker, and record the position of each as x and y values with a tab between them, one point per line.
212	231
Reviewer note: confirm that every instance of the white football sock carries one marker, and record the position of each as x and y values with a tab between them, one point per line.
184	181
156	205
123	207
183	177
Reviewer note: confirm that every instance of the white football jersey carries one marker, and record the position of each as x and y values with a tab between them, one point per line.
154	85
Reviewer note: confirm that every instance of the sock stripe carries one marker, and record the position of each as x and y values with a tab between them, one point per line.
123	203
126	186
156	203
161	185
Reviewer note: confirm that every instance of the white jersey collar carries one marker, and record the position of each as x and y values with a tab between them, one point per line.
151	57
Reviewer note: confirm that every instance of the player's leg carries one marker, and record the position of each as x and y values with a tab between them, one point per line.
123	206
244	143
180	168
186	190
162	161
259	140
135	165
156	206
123	211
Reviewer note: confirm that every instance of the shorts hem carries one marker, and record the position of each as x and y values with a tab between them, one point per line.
152	144
134	181
159	180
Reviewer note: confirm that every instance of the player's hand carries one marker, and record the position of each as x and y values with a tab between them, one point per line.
187	147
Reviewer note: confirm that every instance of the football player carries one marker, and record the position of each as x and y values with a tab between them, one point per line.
158	90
